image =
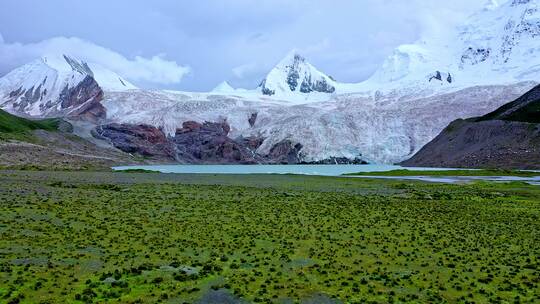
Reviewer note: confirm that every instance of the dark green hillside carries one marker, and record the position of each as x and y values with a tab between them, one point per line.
524	109
13	127
50	144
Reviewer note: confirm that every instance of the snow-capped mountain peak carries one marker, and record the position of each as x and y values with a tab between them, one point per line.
223	87
56	84
294	74
498	44
504	40
67	64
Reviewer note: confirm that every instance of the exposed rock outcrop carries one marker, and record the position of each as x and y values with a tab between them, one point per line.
85	100
285	152
144	140
252	143
194	143
252	119
82	101
209	143
509	137
441	77
203	143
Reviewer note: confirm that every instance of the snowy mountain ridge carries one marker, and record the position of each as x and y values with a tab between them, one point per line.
42	87
497	45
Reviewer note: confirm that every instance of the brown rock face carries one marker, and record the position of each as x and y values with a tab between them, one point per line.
209	143
92	112
194	143
189	126
252	142
85	100
285	152
144	140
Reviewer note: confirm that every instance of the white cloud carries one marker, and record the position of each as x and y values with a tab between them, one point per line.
245	70
156	69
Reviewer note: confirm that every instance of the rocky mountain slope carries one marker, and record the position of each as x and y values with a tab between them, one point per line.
50	144
59	86
506	138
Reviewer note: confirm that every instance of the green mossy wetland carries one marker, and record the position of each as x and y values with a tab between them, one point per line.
13	127
137	171
465	172
84	237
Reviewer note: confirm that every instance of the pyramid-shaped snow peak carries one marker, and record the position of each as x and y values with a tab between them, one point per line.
56	84
223	87
294	74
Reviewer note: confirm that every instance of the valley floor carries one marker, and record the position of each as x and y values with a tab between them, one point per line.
42	150
84	237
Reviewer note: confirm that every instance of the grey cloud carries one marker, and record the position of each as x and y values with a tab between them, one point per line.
347	39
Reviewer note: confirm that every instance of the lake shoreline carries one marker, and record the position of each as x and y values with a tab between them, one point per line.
322	170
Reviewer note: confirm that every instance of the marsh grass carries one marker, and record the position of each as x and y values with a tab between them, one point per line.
88	239
482	172
137	171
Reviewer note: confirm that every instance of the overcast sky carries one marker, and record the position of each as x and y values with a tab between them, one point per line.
194	45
